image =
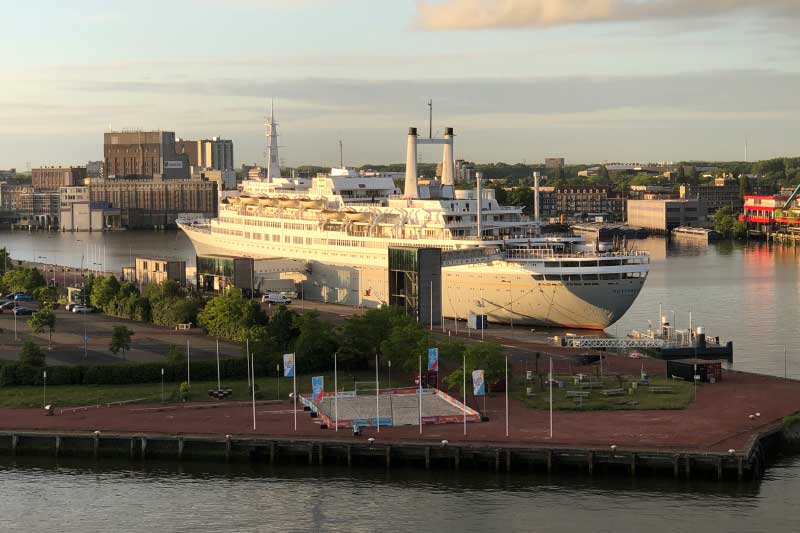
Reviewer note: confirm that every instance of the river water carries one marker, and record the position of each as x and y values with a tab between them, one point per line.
746	293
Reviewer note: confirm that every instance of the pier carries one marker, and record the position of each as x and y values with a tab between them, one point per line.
594	461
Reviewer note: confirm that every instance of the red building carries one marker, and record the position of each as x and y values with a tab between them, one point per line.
771	213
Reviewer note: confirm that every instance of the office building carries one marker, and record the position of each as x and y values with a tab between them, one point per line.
143	155
579	202
214	153
8	174
150	270
96	169
664	215
79	213
554	162
225	179
724	192
53	178
152	203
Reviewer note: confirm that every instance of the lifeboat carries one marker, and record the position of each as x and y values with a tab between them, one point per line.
287	202
311	203
333	215
267	201
357	216
248	200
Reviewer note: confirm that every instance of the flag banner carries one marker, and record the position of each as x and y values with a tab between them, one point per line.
317	388
288	365
478	383
433	359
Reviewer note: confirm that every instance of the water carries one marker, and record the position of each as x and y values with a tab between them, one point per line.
40	494
747	293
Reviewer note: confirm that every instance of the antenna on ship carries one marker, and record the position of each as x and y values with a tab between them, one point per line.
341	155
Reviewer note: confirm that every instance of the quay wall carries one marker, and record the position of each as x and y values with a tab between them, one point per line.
352	452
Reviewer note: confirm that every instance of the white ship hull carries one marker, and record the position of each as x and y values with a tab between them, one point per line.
506	291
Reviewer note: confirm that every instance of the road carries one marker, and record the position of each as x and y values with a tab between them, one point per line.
149	343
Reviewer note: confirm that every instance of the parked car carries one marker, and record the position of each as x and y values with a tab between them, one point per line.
8	306
70	306
22	311
21	296
275	298
83	309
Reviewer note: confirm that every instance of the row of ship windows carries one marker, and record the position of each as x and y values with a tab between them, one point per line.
588	277
288	239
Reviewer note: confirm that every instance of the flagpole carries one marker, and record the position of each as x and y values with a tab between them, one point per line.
294	388
377	397
247	359
420	395
336	392
465	395
219	381
253	388
506	395
551	397
188	366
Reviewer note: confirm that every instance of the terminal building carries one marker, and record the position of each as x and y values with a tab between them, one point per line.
664	215
53	178
143	155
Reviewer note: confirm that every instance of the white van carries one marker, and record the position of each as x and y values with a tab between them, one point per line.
275	298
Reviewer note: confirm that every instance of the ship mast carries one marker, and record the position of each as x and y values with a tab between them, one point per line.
273	163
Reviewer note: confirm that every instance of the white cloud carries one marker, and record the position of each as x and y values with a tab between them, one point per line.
480	14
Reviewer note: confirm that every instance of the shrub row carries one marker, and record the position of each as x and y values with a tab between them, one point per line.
12	374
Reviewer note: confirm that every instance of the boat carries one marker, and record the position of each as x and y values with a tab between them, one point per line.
496	262
696	233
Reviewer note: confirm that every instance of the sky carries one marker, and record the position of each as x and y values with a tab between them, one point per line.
519	80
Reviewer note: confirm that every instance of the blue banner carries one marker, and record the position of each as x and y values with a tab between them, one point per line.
317	388
288	365
433	359
478	383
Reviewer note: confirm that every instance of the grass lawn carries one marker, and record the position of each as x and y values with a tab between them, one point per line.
641	397
268	388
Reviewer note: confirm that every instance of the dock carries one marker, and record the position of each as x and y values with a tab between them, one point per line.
749	464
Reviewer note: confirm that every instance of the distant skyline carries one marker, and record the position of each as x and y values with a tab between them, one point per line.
519	80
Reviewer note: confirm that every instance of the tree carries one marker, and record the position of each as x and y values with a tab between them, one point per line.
604	178
316	343
120	340
104	290
231	316
46	296
282	328
362	333
6	263
23	280
724	220
406	342
744	185
480	356
31	355
174	355
44	319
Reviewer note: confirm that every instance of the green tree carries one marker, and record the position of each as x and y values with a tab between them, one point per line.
744	185
316	343
120	340
486	356
231	316
174	355
282	328
31	355
46	296
724	220
104	290
44	319
739	229
604	178
406	342
23	280
362	333
6	263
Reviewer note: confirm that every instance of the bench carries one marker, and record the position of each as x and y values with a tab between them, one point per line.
613	392
577	394
220	394
661	390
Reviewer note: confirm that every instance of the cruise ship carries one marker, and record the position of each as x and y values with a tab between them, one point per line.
495	262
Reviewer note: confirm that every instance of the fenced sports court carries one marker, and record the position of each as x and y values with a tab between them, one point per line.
393	407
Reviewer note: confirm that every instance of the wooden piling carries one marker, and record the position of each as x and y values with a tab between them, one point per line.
676	460
311	453
427	457
549	458
590	462
272	452
96	444
58	445
349	455
319	453
144	447
457	458
227	448
388	453
497	460
508	460
633	464
180	448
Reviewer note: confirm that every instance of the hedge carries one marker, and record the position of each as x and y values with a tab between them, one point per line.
13	374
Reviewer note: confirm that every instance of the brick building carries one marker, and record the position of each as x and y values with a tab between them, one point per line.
143	155
53	178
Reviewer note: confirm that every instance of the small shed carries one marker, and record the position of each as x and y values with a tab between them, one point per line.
709	371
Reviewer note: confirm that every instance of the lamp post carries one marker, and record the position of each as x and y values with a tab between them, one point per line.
510	304
44	390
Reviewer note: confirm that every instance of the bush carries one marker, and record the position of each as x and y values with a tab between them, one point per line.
31	355
16	374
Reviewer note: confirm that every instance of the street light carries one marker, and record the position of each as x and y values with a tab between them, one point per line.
510	304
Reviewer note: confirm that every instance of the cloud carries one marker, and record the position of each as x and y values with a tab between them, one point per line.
483	14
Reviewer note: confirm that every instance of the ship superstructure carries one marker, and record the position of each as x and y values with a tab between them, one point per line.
495	262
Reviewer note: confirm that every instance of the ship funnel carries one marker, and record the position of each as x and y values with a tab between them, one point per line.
448	164
411	189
